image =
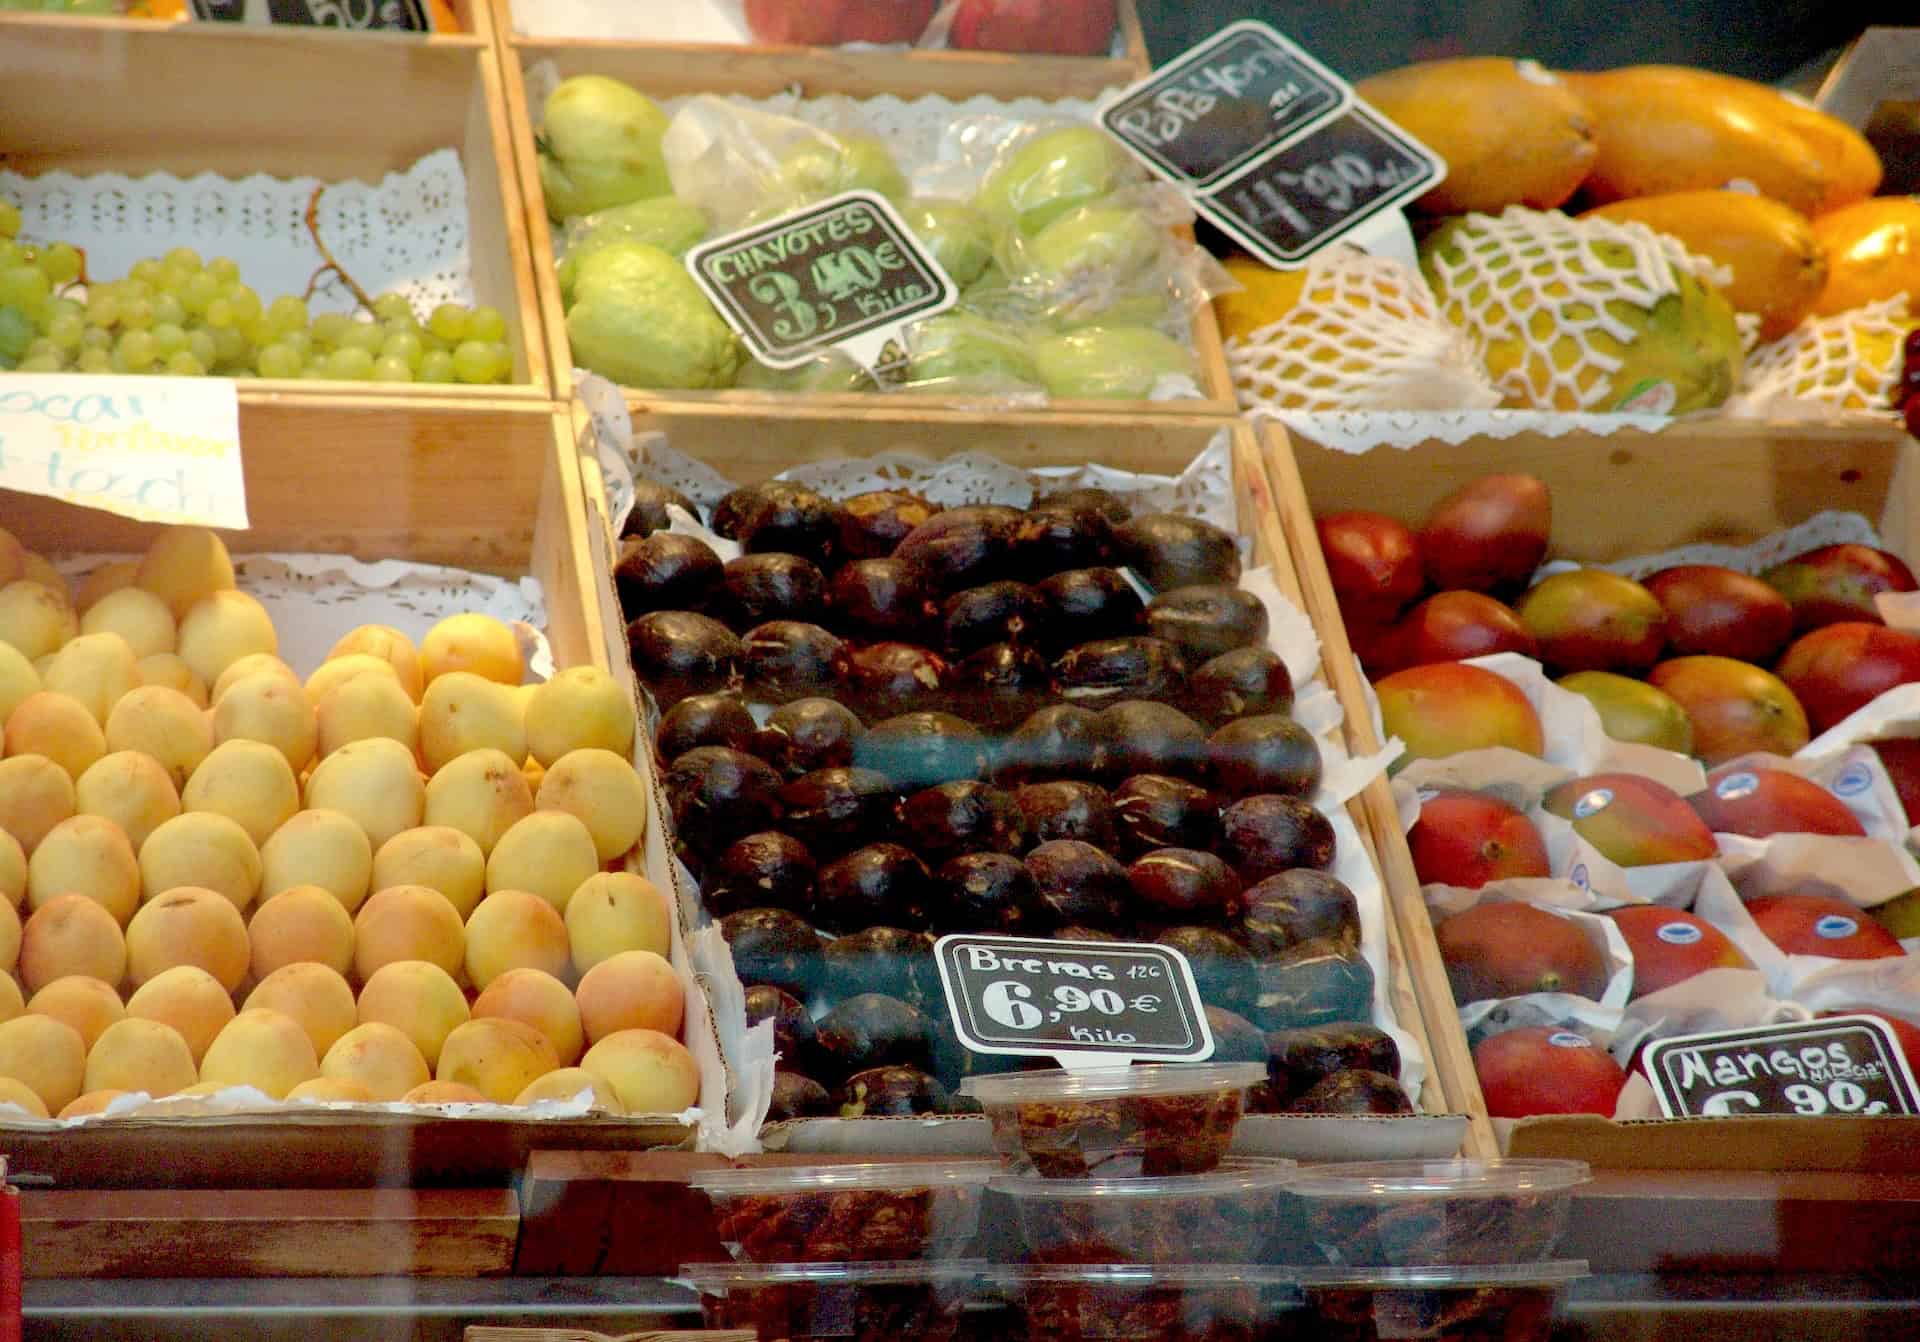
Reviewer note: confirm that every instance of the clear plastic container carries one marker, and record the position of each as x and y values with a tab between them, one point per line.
1075	1302
879	1212
1232	1214
1408	1213
1513	1302
848	1302
1116	1122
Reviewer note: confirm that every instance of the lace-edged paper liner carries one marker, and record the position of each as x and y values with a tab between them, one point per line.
408	233
1204	489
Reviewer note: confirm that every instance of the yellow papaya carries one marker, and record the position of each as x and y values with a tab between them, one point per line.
1666	128
1512	133
1873	252
1779	267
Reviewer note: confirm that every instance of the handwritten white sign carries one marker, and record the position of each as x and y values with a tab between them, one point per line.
157	449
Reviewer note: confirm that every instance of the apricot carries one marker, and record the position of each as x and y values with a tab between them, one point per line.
303	923
205	849
103	581
138	616
604	792
248	782
166	671
20	1094
443	1092
513	929
94	670
461	711
628	991
35	795
534	997
497	1056
263	1049
87	1004
189	999
253	664
391	646
136	1054
407	922
482	794
44	1056
476	643
221	628
439	857
617	911
184	564
375	782
332	674
649	1072
581	708
71	934
131	790
567	1084
18	679
35	620
363	707
316	996
325	1089
419	999
549	853
272	710
86	855
379	1058
318	847
58	727
165	724
188	925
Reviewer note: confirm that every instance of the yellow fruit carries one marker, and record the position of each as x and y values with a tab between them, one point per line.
497	1056
567	1084
338	671
139	617
167	671
1511	132
1664	128
325	1089
58	727
605	792
35	795
417	998
131	790
271	709
1264	297
140	1055
263	1049
40	569
305	923
650	1072
367	706
102	582
21	1094
476	643
34	620
439	857
581	708
378	1057
70	934
221	628
188	926
318	848
96	670
634	990
443	1092
189	999
535	998
1779	266
462	712
374	781
46	1057
11	1003
86	855
86	1004
482	794
18	679
617	911
549	853
407	922
13	870
184	564
512	929
248	782
89	1104
165	724
312	994
253	664
200	848
391	646
1873	252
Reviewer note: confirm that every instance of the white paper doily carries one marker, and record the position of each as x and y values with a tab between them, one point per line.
406	234
1828	528
1357	431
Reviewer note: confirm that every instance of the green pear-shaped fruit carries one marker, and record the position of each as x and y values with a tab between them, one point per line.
639	319
1052	173
828	165
1110	362
831	372
957	235
600	147
959	352
667	222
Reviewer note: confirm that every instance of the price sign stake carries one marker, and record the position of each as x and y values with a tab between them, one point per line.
1273	148
1841	1065
1086	1003
845	272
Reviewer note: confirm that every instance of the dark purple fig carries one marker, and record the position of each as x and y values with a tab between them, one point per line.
1300	1059
962	547
1171	551
999	685
881	885
1184	885
789	659
985	892
1314	983
676	653
1139	736
881	599
665	571
882	680
921	750
1057	536
1108	670
1059	741
1075	932
779	517
706	720
1065	808
716	795
873	523
1235	684
1078	883
891	1092
1222	969
798	1096
808	734
1087	604
1266	753
1235	1038
1207	620
966	816
775	947
765	870
1354	1092
757	588
1103	501
1155	811
888	960
994	612
1272	833
838	808
793	1032
1299	905
650	502
874	1030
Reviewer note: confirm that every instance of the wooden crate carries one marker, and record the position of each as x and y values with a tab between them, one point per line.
667	72
1615	496
134	97
475	16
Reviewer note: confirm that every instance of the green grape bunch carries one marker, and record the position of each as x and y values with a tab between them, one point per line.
177	315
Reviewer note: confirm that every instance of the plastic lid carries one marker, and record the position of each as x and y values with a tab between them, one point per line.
892	1174
1453	1178
1556	1273
708	1276
1139	1274
1232	1176
1106	1083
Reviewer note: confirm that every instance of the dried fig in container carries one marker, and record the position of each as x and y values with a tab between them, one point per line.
706	720
1435	1213
1510	1302
769	869
884	599
1155	811
1224	1216
1086	604
1241	683
775	947
865	1212
756	588
1267	834
780	517
985	892
873	1030
962	547
1065	809
1269	752
807	734
789	659
966	816
841	1302
1207	620
894	1091
836	809
1170	551
884	680
922	750
1079	883
665	571
891	961
1057	742
716	795
882	884
650	502
1108	670
1115	1122
676	653
873	523
995	612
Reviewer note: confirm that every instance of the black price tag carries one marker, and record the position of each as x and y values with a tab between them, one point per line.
1842	1065
1322	185
844	272
1105	1000
1241	92
404	15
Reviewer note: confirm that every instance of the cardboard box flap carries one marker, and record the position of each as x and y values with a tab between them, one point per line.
1889	1145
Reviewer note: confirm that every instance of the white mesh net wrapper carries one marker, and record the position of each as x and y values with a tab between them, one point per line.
1364	335
1543	281
1849	361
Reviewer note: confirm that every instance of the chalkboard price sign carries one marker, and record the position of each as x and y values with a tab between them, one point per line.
1224	103
846	271
402	15
1326	183
1073	1000
1841	1065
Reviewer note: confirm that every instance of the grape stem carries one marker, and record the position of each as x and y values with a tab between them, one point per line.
332	263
